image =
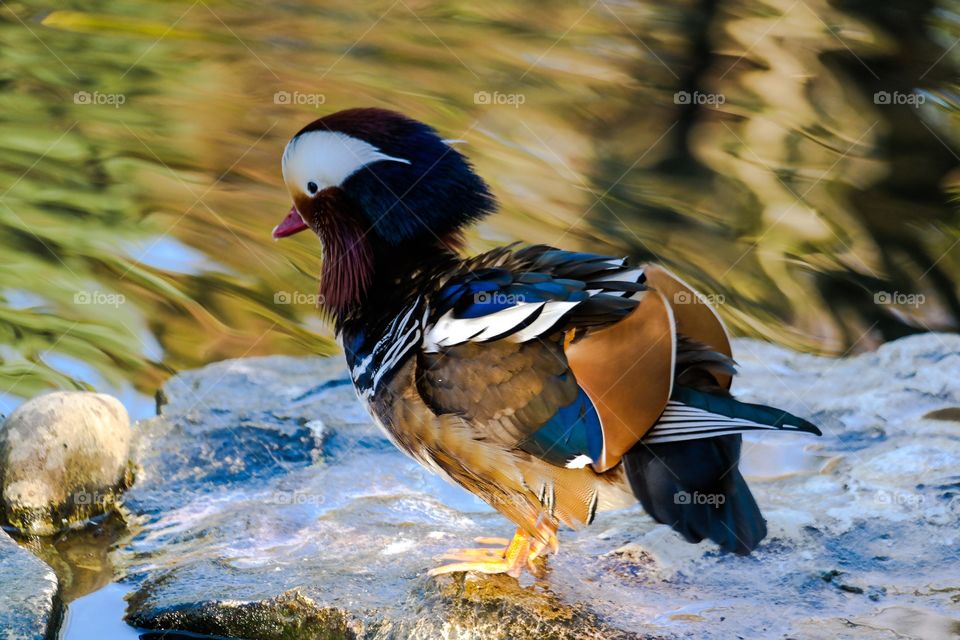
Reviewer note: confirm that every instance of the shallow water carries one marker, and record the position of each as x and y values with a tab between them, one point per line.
98	615
740	143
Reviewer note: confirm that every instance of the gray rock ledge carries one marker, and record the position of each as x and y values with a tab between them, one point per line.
270	507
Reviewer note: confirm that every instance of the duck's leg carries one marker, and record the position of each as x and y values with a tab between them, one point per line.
509	557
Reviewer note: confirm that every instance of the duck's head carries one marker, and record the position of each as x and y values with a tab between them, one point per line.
372	180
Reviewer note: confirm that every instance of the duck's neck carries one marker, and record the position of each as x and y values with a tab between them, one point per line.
363	278
349	264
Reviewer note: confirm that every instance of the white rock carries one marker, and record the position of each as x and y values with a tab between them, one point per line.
63	457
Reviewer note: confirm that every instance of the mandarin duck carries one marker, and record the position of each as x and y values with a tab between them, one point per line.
552	384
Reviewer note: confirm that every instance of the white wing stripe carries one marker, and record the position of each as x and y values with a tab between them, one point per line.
619	275
449	331
680	437
552	313
697	426
683	422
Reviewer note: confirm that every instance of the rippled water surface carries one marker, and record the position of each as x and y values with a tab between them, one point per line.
797	160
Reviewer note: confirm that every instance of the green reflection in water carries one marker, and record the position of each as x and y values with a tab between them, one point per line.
742	143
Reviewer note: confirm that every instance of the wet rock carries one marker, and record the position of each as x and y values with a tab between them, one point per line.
29	605
63	458
500	607
289	615
270	507
906	622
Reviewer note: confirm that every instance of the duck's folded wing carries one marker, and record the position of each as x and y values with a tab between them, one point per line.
628	368
526	422
493	354
602	369
567	356
536	292
494	346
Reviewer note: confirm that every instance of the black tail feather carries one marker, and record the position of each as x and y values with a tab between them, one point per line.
696	488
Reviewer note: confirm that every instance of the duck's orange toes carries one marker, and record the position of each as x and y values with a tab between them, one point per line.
509	557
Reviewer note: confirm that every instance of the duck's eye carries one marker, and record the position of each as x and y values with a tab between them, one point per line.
312	187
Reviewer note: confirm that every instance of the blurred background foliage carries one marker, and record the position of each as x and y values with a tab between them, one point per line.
747	145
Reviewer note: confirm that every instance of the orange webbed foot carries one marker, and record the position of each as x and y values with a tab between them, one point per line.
507	556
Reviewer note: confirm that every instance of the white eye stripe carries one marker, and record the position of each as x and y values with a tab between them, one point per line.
327	158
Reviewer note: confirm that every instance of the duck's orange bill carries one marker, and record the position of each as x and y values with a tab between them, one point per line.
292	224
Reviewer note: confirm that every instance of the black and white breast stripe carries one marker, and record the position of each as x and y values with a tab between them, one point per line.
683	422
401	336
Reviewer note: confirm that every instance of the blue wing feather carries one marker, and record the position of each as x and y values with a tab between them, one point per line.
599	285
468	308
574	430
480	297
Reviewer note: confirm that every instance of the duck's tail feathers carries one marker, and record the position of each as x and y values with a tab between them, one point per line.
692	414
695	487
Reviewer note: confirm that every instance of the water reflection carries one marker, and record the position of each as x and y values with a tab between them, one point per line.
747	145
100	615
81	556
